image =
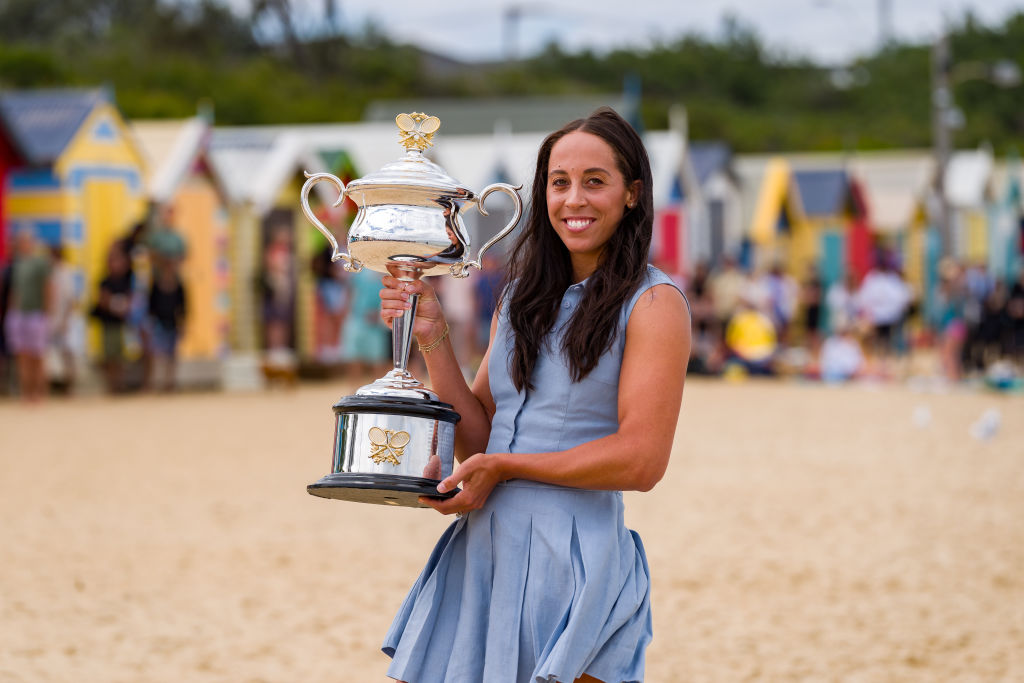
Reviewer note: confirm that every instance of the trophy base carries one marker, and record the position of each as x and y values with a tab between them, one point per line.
379	489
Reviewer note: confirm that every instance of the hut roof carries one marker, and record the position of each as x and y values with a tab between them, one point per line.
823	192
43	122
709	157
253	163
968	178
169	148
895	184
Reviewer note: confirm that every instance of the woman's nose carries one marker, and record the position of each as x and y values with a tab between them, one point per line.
575	196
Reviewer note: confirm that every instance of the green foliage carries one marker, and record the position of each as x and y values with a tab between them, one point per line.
163	57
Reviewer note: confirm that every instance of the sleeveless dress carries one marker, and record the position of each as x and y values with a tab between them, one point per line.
544	583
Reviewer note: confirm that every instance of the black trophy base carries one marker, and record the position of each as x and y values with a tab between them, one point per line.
379	489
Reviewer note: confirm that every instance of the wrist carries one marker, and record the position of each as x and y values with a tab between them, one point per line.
502	466
435	342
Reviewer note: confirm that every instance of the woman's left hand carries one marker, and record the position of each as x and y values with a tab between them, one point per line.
478	475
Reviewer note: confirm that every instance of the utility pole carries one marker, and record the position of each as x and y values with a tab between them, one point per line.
513	14
884	23
942	112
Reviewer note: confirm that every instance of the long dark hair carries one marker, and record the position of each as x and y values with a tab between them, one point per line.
540	269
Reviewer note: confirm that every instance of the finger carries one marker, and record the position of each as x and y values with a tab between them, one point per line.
449	482
390	294
444	506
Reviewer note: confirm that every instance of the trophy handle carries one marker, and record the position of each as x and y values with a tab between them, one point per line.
350	264
462	269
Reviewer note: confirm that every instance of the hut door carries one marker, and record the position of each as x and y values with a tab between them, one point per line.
717	220
278	280
833	246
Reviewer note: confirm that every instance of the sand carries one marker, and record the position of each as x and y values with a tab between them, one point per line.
802	533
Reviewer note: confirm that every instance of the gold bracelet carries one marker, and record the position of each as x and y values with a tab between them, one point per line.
437	342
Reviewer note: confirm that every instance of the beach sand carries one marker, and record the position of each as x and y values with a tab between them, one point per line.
802	533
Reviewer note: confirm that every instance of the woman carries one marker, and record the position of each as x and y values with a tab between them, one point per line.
576	399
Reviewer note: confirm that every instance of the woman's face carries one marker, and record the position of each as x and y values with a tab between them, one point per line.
587	196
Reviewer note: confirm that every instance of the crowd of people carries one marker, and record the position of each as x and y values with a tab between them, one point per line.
769	323
139	304
745	321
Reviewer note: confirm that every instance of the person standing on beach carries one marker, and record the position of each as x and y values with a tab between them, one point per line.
67	328
113	306
166	317
538	578
27	322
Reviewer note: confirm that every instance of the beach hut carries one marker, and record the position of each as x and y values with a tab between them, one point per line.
969	192
81	183
719	183
679	238
834	206
895	187
261	170
776	227
10	159
182	188
1006	221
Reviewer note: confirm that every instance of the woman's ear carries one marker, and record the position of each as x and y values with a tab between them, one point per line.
633	194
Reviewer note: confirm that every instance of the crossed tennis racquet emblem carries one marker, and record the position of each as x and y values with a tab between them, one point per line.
388	445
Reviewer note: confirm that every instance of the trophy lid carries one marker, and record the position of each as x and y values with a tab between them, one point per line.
414	170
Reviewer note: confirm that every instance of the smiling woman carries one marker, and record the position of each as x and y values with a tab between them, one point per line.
539	579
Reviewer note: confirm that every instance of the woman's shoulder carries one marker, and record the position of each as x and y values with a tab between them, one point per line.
649	285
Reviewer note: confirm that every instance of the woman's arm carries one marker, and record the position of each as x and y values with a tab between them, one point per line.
636	455
475	405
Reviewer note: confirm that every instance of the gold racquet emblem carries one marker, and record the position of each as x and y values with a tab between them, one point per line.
388	445
415	130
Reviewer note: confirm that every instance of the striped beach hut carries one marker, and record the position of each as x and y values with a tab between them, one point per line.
81	181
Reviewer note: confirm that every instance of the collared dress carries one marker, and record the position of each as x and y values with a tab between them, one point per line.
544	583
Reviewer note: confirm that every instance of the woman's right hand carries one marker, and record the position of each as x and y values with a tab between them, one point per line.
395	300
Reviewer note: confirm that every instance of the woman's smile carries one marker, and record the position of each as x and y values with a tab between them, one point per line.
578	224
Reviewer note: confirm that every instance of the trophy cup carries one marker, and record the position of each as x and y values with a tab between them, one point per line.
394	440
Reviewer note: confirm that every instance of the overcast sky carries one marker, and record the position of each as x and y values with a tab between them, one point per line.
829	31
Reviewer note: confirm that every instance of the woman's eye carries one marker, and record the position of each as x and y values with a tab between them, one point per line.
594	181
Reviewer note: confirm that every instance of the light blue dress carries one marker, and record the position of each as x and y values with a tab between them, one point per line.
544	583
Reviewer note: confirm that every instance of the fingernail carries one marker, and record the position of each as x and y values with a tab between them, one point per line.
441	488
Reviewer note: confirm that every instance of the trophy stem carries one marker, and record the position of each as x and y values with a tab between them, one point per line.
401	337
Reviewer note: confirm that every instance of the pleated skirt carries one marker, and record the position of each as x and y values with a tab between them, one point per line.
542	584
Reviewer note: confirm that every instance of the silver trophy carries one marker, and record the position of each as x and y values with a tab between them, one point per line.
393	439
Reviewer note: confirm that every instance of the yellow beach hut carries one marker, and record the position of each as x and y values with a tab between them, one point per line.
183	189
777	229
82	182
